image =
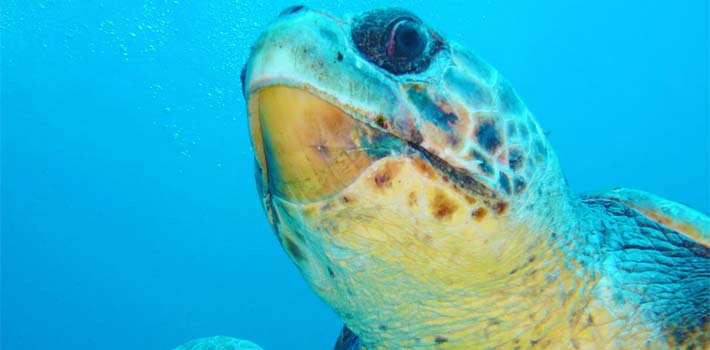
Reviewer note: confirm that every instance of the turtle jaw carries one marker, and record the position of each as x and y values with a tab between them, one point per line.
298	72
307	148
459	113
313	51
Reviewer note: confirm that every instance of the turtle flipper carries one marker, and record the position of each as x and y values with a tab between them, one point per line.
347	340
655	259
676	216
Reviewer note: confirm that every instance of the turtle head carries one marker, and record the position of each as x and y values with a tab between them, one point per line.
398	170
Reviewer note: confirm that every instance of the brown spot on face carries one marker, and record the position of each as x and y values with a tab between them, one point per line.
469	199
479	213
500	207
412	199
424	167
382	179
384	176
442	207
347	199
424	237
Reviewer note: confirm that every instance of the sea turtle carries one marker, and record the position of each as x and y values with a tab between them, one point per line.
421	201
219	343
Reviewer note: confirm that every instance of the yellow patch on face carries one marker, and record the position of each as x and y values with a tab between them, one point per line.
257	140
405	209
309	148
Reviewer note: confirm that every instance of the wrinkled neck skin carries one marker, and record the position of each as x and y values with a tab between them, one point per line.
400	281
533	280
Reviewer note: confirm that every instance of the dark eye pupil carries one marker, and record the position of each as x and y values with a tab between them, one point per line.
408	41
395	40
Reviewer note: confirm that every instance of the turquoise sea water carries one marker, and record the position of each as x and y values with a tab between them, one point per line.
129	213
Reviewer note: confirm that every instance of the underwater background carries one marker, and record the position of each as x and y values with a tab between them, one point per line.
130	218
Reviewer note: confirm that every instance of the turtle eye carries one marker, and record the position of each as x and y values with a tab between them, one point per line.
406	40
395	40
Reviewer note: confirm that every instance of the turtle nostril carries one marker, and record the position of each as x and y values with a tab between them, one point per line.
291	10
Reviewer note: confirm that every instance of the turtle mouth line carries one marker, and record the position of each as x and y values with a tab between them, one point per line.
462	178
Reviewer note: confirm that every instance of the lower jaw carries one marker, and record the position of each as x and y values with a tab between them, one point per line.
309	148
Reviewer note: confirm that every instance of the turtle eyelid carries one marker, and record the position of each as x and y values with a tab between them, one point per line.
375	35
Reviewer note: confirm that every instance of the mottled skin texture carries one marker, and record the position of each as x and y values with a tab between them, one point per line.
421	200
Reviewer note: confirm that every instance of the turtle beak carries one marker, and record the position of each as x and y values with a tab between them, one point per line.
286	12
307	147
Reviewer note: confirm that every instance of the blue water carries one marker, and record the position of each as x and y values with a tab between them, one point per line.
129	213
